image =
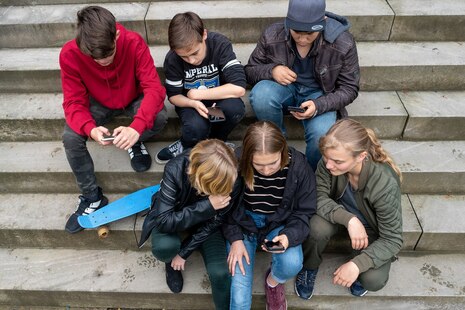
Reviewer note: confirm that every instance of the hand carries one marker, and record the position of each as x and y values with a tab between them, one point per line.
357	233
346	274
125	137
283	75
178	263
236	253
200	107
98	133
219	202
281	239
310	109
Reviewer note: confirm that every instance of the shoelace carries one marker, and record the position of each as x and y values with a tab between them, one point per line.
175	148
86	207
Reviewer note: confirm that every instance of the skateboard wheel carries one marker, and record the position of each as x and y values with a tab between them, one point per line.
103	232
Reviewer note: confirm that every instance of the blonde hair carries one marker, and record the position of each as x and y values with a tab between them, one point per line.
212	168
356	138
261	137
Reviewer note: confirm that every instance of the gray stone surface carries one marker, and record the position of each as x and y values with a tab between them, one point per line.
428	20
430	167
434	115
136	279
18	229
404	66
442	219
39	117
53	25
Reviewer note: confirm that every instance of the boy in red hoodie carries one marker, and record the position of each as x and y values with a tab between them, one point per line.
106	71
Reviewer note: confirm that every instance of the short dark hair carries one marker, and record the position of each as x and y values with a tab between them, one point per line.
184	30
96	32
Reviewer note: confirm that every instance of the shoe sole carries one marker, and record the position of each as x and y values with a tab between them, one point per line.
161	162
297	293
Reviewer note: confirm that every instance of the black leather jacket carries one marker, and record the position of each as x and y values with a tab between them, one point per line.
171	211
296	208
335	61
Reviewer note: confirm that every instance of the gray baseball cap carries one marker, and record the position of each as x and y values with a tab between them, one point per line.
306	15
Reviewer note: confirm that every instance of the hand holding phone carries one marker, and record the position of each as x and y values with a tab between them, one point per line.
271	246
108	138
296	109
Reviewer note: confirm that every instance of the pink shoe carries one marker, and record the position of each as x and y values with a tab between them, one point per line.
275	296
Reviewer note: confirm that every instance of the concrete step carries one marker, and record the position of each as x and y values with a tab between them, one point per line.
429	167
105	278
404	66
53	25
39	117
45	229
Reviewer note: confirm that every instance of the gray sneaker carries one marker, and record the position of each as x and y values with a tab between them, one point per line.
169	152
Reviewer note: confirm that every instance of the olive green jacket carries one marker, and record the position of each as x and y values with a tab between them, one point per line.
378	199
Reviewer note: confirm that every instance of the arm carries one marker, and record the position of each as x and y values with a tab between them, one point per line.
346	85
388	212
221	92
296	227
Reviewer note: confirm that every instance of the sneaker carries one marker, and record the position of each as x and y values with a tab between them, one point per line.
169	152
275	296
305	283
173	278
357	289
140	158
84	207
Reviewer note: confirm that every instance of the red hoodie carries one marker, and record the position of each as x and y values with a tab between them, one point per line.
115	86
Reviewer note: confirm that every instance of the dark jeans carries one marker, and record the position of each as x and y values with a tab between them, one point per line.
321	232
75	146
165	246
195	128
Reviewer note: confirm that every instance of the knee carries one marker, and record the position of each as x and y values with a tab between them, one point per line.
262	94
72	140
373	281
321	229
164	251
219	275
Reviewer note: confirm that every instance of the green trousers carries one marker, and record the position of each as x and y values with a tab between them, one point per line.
321	232
165	246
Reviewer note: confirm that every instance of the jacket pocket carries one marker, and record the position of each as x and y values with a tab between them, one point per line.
328	76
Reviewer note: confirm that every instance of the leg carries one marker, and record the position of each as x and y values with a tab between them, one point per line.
315	128
375	279
234	110
194	128
158	124
165	246
241	285
285	265
321	232
268	99
213	251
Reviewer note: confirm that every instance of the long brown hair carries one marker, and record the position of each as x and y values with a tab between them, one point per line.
212	167
356	138
261	137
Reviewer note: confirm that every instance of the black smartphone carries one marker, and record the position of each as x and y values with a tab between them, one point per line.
271	246
295	109
215	114
108	138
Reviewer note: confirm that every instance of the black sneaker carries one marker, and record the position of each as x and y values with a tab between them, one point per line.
305	283
173	278
140	158
169	152
83	207
356	289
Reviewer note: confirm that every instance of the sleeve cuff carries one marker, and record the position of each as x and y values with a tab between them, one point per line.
342	216
138	125
363	262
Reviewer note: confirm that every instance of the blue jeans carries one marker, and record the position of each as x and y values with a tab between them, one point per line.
284	266
270	100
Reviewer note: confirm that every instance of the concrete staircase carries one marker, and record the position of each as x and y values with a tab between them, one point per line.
412	58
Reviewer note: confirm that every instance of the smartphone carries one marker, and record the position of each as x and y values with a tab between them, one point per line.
273	246
215	114
295	109
108	138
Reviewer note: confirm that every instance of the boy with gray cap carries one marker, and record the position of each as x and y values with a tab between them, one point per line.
308	61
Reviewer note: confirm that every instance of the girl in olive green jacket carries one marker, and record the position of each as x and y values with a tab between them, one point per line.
358	186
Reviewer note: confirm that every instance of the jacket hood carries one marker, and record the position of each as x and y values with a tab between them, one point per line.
335	25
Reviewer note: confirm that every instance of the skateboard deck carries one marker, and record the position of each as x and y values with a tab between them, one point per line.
121	208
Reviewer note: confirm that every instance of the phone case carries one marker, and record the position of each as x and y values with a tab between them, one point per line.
215	114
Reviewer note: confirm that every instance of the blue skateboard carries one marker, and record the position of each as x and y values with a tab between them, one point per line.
118	209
